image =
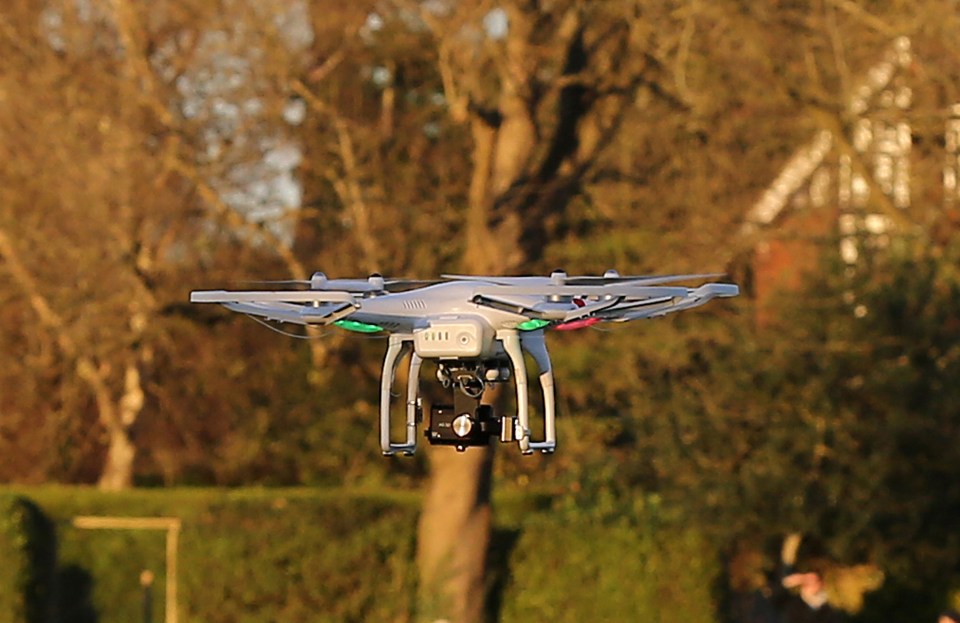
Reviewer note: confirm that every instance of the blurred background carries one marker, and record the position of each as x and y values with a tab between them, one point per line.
808	149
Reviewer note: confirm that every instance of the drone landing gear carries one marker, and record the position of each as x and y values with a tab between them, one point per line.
466	422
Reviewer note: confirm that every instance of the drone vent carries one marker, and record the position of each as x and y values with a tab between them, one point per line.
415	304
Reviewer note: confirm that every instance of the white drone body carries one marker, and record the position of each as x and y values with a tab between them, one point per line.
477	329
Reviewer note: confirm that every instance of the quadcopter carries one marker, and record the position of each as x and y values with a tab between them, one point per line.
476	329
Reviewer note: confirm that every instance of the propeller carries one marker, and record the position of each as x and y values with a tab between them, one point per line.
640	280
561	278
372	284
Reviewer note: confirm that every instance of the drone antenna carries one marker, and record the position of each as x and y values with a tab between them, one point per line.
286	333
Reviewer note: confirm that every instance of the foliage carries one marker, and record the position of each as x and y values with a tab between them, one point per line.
873	367
597	135
838	421
244	555
723	93
612	561
335	555
28	552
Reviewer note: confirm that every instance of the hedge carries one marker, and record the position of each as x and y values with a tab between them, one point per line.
574	565
27	562
309	555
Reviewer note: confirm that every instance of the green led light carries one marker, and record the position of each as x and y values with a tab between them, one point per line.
358	327
533	324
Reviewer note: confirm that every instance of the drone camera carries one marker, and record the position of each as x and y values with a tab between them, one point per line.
449	426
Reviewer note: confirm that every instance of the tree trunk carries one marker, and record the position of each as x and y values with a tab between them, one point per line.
117	472
121	451
454	535
116	416
455	523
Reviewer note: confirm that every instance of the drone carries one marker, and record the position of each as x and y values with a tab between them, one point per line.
476	329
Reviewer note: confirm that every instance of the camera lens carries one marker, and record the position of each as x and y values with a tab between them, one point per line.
462	425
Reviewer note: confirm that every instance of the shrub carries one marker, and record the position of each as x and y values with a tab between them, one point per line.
273	555
27	562
631	565
244	555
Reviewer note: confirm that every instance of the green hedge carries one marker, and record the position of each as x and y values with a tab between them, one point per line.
580	564
245	555
309	555
27	562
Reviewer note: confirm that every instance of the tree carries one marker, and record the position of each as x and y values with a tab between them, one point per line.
54	202
441	137
533	96
108	166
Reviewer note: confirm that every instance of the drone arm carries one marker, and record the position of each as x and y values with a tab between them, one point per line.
296	313
591	308
535	344
397	346
694	298
314	315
